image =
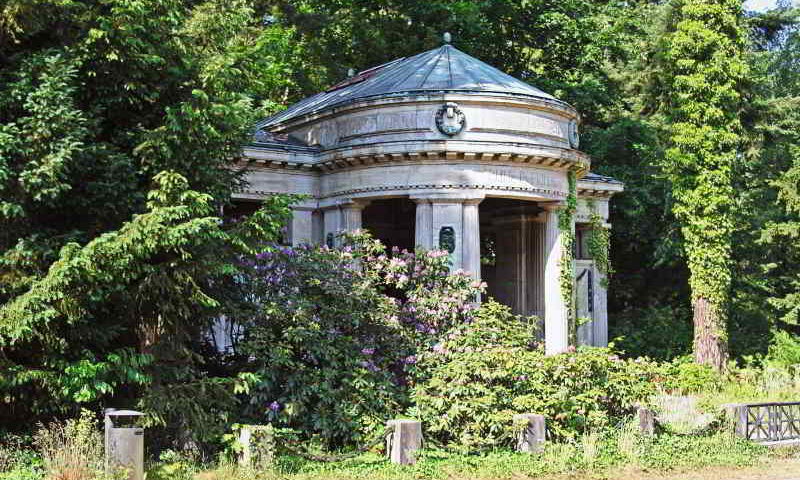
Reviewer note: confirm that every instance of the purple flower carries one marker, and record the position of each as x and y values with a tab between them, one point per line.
274	406
410	360
367	351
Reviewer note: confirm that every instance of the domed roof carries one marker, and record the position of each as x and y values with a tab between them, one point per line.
441	70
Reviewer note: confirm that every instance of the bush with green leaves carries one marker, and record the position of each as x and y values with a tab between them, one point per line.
484	372
688	377
334	333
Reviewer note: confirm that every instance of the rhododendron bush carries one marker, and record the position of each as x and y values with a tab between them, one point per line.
335	332
342	339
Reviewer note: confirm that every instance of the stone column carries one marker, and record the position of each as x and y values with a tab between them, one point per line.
301	226
331	226
556	325
423	236
351	216
471	243
446	218
600	323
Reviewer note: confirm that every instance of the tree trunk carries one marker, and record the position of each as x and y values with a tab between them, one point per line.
710	335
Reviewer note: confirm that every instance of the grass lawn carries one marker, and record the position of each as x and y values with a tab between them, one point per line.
716	457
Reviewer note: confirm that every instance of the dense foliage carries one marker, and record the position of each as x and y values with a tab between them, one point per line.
482	373
119	124
335	332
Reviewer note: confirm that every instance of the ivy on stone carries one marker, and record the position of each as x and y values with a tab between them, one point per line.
566	225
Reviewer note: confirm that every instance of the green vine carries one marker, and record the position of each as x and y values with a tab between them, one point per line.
600	244
566	263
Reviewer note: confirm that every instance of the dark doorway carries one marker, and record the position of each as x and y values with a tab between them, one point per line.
391	220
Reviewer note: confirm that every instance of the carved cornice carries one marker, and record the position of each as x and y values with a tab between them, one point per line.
540	156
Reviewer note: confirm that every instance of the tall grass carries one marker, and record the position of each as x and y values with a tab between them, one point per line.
72	450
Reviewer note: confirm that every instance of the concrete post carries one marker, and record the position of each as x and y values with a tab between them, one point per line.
532	436
647	421
600	322
471	245
741	421
404	442
556	327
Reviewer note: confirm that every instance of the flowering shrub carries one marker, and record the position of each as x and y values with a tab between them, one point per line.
483	373
429	299
335	332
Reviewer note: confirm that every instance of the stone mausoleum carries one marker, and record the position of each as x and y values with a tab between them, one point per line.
441	150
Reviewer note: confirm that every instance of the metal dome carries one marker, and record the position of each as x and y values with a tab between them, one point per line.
441	70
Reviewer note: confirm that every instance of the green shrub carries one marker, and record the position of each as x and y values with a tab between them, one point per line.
689	377
18	460
784	350
474	381
336	331
661	332
171	465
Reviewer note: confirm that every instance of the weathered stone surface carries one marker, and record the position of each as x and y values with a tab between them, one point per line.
531	437
647	421
404	442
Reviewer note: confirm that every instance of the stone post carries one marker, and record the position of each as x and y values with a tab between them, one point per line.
404	442
532	436
447	222
647	421
741	421
471	245
556	323
600	321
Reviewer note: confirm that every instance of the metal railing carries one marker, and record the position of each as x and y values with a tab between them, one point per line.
769	422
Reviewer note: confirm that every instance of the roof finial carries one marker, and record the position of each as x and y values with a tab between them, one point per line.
447	38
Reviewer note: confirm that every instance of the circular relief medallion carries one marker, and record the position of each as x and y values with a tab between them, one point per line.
574	138
450	119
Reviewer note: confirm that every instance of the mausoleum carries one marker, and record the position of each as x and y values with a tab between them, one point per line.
441	150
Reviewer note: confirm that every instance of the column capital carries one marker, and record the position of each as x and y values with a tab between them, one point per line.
353	204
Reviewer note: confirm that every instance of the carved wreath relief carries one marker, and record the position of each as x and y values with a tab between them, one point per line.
450	119
447	239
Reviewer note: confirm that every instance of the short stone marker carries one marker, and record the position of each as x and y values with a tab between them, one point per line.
257	446
404	442
647	421
531	437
